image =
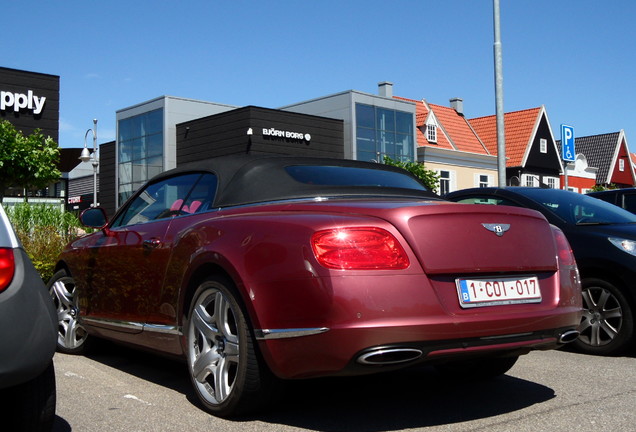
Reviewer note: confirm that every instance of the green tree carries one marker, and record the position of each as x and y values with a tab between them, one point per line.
26	161
429	177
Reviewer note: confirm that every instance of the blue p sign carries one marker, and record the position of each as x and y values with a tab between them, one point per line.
567	143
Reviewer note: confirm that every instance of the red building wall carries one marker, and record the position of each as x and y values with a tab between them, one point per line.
623	178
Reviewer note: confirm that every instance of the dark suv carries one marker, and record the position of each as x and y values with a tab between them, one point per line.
625	198
28	334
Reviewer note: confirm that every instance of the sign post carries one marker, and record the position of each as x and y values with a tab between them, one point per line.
568	152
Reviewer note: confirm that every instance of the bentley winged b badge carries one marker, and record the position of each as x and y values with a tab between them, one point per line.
497	228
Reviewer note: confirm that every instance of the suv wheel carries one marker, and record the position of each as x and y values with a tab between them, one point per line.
607	326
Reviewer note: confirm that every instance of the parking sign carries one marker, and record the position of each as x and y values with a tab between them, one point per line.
567	143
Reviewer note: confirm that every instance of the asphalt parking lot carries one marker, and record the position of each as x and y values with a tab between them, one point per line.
117	389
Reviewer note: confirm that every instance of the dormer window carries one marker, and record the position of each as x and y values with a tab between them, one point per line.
429	128
621	164
431	133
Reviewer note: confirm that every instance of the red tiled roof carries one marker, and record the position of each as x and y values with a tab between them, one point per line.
454	132
460	132
518	125
421	114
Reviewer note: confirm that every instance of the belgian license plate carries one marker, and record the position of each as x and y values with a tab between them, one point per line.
498	291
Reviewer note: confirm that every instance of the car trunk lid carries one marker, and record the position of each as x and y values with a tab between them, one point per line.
478	238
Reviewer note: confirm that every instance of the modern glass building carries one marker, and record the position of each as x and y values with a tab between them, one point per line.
375	126
146	138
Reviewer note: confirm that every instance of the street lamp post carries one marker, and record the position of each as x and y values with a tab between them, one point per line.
86	156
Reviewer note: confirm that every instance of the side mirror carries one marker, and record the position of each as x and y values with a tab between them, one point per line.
94	217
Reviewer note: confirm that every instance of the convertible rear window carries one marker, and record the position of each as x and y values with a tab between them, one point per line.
351	176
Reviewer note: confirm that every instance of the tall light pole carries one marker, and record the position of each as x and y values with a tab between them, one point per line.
87	157
501	140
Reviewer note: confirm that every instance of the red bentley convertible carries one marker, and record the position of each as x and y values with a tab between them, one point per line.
261	268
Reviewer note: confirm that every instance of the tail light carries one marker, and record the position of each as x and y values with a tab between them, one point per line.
564	250
7	267
359	248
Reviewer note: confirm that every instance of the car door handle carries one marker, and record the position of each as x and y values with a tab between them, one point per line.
151	243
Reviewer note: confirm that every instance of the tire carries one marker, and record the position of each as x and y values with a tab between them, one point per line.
71	335
477	369
228	376
32	404
607	325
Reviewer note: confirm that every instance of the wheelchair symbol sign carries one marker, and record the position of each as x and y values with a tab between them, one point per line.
567	143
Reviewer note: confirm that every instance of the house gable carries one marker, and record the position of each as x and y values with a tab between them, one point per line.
542	154
621	171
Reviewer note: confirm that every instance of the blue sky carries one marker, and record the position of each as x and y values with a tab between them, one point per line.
575	57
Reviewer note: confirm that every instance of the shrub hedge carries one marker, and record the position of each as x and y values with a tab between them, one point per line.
44	230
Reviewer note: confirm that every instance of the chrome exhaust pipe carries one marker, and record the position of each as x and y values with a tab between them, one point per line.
568	336
389	356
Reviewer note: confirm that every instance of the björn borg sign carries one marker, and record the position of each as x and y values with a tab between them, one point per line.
276	133
19	101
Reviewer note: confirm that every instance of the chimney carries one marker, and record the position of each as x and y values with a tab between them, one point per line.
458	105
385	89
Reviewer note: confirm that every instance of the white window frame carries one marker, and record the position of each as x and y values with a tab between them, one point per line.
621	164
431	129
478	180
543	145
451	181
431	133
530	180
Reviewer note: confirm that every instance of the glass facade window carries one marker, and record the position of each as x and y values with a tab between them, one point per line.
140	151
383	132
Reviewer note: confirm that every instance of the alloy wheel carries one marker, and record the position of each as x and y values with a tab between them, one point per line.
214	346
602	317
71	335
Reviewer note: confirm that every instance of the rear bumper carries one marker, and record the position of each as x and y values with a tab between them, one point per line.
28	325
406	315
343	352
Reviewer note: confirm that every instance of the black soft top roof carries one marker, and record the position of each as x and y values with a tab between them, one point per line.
247	179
